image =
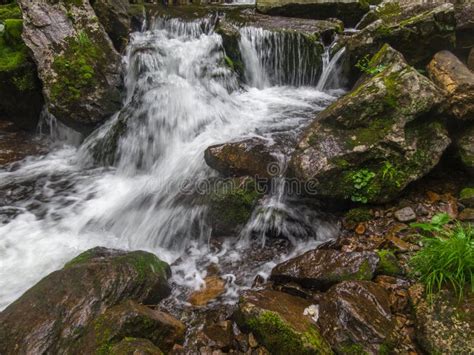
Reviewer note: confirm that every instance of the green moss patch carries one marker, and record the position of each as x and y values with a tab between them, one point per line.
388	264
10	11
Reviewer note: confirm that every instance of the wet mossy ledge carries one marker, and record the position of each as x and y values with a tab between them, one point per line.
20	88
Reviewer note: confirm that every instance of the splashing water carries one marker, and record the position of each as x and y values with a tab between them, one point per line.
180	99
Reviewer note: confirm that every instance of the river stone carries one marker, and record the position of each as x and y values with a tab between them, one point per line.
405	214
372	142
417	31
77	63
465	148
450	74
249	157
49	316
131	319
135	346
114	16
321	268
349	11
278	322
355	318
443	323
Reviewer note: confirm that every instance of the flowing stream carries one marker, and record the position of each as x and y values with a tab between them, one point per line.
180	98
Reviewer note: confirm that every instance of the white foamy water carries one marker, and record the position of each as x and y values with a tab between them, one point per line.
180	99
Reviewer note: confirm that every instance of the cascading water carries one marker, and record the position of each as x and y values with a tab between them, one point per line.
180	99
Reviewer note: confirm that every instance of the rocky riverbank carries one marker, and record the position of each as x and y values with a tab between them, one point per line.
389	164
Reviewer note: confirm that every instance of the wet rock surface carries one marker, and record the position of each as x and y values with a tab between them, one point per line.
278	322
465	148
450	74
355	317
135	346
320	269
371	143
348	11
77	63
131	320
50	315
250	157
16	144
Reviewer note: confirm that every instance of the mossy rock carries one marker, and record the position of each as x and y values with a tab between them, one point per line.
358	215
54	313
278	322
10	11
130	346
388	264
371	143
20	87
231	202
466	196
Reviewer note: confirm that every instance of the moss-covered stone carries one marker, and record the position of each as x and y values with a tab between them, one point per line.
10	11
278	322
466	196
231	203
388	264
130	346
358	215
368	145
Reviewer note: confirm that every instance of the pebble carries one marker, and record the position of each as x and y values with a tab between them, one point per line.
405	215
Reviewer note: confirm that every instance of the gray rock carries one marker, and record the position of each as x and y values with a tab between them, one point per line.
405	215
77	63
465	148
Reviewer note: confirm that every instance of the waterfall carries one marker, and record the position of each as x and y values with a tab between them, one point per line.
329	73
180	98
279	57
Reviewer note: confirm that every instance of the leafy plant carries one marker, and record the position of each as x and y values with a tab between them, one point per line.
365	66
446	259
435	225
361	180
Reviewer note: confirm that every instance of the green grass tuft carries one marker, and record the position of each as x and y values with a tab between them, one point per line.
447	259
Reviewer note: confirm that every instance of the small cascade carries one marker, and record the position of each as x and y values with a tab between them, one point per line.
329	75
279	58
56	131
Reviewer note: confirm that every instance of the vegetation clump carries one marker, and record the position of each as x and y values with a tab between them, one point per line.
447	256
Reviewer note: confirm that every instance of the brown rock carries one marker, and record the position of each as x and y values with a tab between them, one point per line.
356	313
213	288
360	229
250	157
135	346
320	269
467	215
450	74
433	196
470	60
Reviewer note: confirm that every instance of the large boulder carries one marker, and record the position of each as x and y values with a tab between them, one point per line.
20	88
465	149
349	11
355	318
418	31
135	346
279	322
252	157
371	143
77	63
134	320
51	316
322	268
450	74
115	16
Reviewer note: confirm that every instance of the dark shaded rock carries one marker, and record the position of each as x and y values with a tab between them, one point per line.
217	335
470	60
114	15
464	14
320	269
451	75
465	149
231	203
278	322
77	63
466	196
20	88
250	157
371	143
350	12
134	320
135	346
405	214
417	31
16	144
443	322
355	318
51	316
